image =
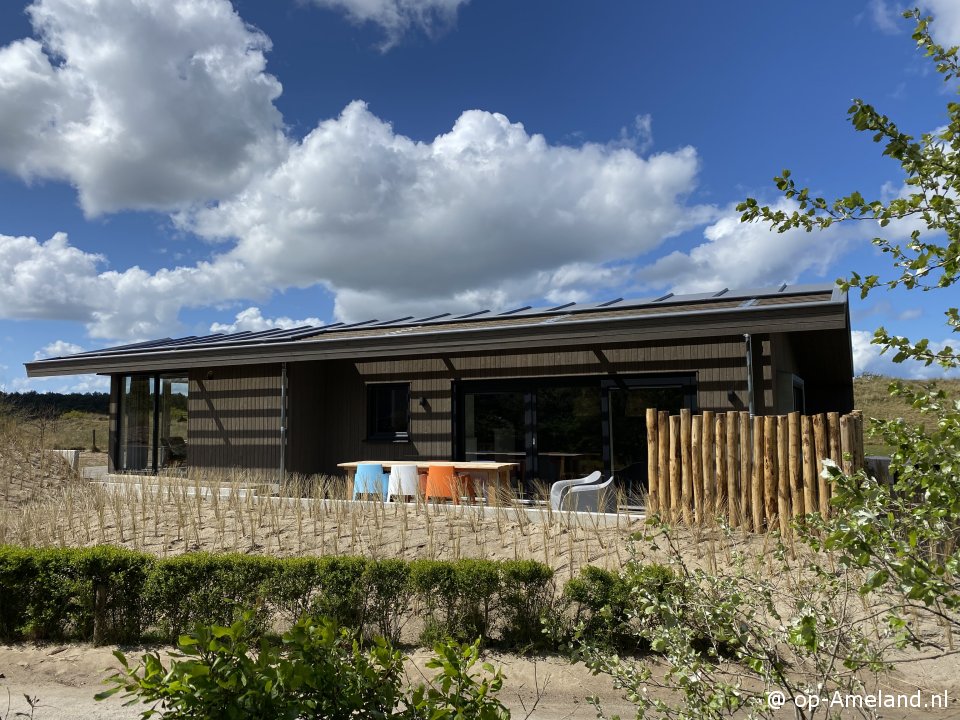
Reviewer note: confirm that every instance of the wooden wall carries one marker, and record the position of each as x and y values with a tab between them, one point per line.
328	399
234	417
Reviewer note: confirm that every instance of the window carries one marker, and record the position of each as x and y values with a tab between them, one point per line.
388	411
152	423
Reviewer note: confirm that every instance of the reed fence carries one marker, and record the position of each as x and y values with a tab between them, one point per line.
759	472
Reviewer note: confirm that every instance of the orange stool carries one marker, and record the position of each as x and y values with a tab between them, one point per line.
443	484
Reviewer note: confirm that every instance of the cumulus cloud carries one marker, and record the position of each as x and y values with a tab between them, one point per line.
139	105
58	348
867	358
946	15
397	17
741	255
486	208
252	320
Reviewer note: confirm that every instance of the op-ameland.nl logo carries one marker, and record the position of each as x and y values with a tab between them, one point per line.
879	699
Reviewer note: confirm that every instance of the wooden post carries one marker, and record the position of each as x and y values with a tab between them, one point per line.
676	458
858	456
769	470
783	474
663	462
833	437
696	467
796	465
847	423
809	466
756	498
709	463
653	488
686	476
746	470
822	450
721	462
733	469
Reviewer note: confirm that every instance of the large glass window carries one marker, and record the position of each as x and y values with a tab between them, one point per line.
569	432
388	411
494	426
152	423
137	406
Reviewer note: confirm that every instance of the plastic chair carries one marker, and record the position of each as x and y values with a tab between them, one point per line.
591	498
370	480
443	484
559	489
404	481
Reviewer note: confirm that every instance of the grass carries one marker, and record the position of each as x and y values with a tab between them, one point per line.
872	396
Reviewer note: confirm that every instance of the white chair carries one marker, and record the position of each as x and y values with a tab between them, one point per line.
591	498
560	488
404	481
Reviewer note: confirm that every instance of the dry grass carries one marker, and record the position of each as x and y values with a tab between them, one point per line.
872	396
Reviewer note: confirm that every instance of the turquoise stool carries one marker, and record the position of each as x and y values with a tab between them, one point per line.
370	480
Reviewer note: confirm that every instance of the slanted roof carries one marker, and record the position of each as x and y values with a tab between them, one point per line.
725	312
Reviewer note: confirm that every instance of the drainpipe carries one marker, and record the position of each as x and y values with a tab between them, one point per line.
749	351
283	422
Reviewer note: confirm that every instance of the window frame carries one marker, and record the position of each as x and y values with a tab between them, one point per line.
373	433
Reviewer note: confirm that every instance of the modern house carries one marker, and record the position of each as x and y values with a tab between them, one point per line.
561	391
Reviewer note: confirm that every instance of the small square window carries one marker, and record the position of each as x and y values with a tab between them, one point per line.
388	411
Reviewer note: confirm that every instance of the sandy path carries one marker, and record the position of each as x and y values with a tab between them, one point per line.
66	677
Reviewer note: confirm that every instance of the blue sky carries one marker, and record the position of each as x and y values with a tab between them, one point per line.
188	166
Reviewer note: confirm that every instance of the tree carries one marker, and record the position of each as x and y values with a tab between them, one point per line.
905	534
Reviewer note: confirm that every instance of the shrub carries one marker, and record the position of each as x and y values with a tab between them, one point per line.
600	599
526	598
112	593
388	591
207	588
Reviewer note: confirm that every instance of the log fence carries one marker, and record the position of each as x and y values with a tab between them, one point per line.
757	472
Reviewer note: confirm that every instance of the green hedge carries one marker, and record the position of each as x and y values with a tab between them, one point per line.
108	594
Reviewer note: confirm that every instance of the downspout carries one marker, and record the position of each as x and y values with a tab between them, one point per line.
749	351
283	422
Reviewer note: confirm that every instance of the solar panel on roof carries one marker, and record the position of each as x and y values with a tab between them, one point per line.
433	317
725	290
663	297
470	315
608	303
561	307
515	310
391	322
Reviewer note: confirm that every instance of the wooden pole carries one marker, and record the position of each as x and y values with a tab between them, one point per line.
783	474
847	423
721	459
746	470
733	466
696	467
709	464
858	457
663	462
769	469
676	459
756	498
795	465
809	466
833	437
686	477
822	450
653	456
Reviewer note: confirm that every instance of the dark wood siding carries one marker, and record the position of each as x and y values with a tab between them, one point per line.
328	399
112	443
235	417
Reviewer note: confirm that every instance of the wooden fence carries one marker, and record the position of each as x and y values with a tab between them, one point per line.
759	472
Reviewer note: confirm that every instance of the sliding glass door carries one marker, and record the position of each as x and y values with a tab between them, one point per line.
561	428
152	423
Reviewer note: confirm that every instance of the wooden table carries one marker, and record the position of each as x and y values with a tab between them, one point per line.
498	472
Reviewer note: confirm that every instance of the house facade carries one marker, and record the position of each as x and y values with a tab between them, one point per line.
560	391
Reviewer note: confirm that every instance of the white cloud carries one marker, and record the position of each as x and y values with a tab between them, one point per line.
946	25
867	358
742	255
253	320
397	17
486	209
139	105
72	384
886	16
58	348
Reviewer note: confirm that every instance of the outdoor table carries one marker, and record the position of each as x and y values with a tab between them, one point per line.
497	472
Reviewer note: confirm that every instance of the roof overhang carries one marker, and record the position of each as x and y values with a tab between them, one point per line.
583	331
